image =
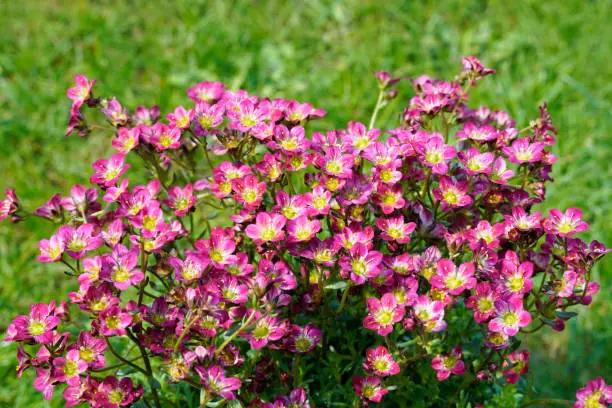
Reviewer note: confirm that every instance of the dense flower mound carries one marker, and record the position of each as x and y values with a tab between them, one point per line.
230	256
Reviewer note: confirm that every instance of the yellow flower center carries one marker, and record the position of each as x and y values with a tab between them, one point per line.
36	327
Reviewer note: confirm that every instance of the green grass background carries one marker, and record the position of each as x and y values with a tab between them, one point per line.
317	51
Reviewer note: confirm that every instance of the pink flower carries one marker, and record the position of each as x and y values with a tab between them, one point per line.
206	91
126	140
9	205
266	329
361	263
219	248
452	279
80	241
476	162
389	198
51	250
249	191
509	317
302	229
479	134
522	221
299	112
44	382
395	229
369	388
91	350
108	171
146	116
303	339
596	394
247	115
114	321
358	137
82	91
207	117
435	154
215	381
69	368
516	275
452	194
289	141
520	366
430	313
380	362
383	314
474	68
116	114
181	200
499	173
119	267
190	269
564	224
483	302
522	151
336	164
180	118
38	325
52	210
267	228
113	393
164	137
447	364
564	287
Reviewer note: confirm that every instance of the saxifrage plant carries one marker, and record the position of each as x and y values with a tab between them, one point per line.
264	266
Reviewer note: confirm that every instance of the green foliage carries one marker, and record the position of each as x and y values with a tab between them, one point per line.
317	51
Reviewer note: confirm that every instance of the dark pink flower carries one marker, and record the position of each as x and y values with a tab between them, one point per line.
302	339
69	368
267	228
181	118
509	317
369	388
380	362
116	114
82	91
361	264
181	200
520	366
206	91
447	364
108	171
596	394
564	224
38	325
215	381
126	140
522	151
452	194
483	302
9	205
302	229
383	314
114	321
395	229
79	241
452	279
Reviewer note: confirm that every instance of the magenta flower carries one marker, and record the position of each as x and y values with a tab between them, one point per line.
116	114
447	364
51	250
69	368
479	134
452	194
266	329
499	173
389	198
509	317
516	275
190	269
369	388
44	382
267	228
81	200
522	221
146	116
483	302
164	137
206	91
232	290
215	381
563	287
522	151
207	117
435	154
52	210
292	207
452	279
181	200
126	140
107	172
181	118
114	321
38	325
395	229
430	313
114	393
91	349
9	205
380	362
119	267
476	162
383	314
361	263
219	248
298	112
596	394
520	366
302	339
484	234
80	241
302	229
358	137
474	68
289	141
82	91
336	164
247	115
249	191
564	224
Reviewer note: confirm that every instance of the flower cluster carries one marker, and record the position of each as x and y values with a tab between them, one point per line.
277	267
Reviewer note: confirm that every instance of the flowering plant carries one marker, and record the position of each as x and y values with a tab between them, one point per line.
259	264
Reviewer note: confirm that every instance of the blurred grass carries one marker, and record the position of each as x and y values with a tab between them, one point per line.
322	52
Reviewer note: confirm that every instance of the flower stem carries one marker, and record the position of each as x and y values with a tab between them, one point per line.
381	95
234	334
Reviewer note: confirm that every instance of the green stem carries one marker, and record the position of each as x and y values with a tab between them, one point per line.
381	95
128	362
234	334
344	297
